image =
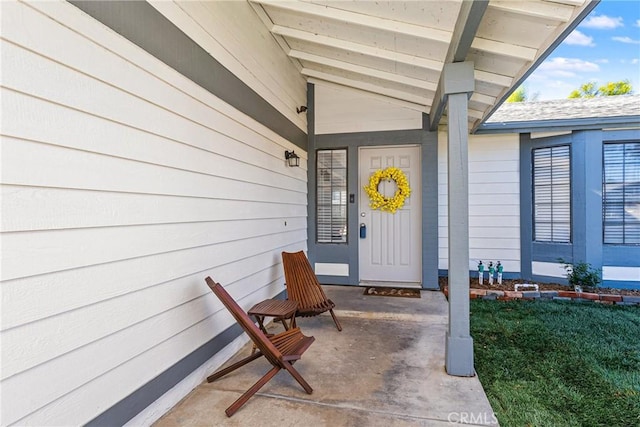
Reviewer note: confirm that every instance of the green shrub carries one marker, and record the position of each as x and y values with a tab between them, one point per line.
582	274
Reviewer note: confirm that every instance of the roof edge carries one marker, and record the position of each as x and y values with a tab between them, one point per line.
588	123
586	11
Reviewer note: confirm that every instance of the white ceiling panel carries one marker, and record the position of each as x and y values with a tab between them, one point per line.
397	49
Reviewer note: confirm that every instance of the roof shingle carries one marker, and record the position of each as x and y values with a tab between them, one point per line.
568	109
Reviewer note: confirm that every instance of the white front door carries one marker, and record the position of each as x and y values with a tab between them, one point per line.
391	250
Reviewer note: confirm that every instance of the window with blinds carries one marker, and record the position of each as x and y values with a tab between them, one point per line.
621	193
552	194
331	202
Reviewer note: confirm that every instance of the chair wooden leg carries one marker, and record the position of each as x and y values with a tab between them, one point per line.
254	388
225	371
335	319
295	374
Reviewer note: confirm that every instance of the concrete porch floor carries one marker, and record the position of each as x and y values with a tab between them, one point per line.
386	368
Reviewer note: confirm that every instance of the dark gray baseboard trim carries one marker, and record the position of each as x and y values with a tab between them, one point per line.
123	411
144	26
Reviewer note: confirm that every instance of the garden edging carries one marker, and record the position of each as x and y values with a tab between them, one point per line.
608	299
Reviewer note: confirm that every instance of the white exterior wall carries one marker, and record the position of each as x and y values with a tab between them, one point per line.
494	201
124	185
341	110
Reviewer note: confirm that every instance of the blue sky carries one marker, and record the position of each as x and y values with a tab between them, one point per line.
604	47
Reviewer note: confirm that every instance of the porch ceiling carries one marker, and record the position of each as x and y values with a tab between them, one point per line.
397	49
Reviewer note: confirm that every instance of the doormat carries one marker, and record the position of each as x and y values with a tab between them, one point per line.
392	292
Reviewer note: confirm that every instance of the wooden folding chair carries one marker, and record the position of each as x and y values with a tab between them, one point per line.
304	288
281	350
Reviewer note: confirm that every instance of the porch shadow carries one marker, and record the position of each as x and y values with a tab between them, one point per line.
386	368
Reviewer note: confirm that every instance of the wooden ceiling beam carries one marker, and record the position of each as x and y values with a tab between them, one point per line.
504	49
535	9
482	98
476	114
384	98
365	71
491	78
349	46
574	3
353	18
367	87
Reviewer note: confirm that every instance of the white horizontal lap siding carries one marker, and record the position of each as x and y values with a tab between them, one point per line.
140	339
494	201
38	208
346	111
123	186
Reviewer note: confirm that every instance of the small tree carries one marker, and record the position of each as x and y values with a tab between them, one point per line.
522	95
590	90
518	95
586	90
616	88
582	275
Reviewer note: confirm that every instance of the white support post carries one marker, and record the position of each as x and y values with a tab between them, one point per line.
458	86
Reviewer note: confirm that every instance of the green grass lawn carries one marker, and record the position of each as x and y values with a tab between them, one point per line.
557	363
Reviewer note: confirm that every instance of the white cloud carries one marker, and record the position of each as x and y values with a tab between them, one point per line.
635	61
579	39
567	67
550	88
603	22
638	23
625	40
602	61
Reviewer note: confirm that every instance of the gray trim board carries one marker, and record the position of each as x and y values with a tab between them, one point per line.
465	30
123	411
621	255
143	25
348	253
311	176
620	284
526	201
560	125
586	209
430	215
550	252
621	135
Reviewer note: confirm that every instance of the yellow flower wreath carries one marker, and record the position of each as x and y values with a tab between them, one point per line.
377	200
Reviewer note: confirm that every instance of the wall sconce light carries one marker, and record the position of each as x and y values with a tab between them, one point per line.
292	159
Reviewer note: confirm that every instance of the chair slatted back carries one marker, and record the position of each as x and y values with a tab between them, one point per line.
261	341
302	283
